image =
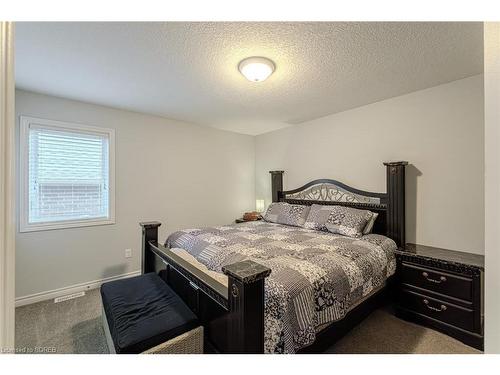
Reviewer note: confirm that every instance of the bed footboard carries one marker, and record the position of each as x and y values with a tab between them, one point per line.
232	315
246	305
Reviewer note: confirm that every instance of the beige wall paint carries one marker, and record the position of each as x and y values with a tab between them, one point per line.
185	175
181	174
438	130
492	184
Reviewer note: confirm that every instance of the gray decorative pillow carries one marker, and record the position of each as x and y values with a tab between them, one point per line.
348	221
318	215
288	214
321	218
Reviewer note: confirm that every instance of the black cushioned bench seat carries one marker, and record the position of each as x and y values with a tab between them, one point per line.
143	312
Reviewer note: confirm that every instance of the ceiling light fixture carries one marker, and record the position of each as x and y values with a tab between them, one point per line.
256	69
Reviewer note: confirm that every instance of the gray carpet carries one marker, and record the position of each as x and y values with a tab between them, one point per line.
74	326
383	333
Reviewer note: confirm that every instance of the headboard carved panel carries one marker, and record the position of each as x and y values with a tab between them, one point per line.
332	191
390	205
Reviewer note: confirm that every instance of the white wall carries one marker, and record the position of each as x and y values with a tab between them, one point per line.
7	191
181	174
186	175
492	184
438	130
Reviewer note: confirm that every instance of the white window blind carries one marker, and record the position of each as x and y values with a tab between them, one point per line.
68	175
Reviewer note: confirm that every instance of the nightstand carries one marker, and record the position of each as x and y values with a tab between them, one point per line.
442	289
241	220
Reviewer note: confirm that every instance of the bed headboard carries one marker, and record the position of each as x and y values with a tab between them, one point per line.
389	205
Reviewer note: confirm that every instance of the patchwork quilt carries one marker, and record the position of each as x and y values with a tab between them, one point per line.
316	276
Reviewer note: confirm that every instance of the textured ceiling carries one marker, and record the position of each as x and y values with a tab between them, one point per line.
188	71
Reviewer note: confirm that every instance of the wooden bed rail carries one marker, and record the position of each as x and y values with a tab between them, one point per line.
233	316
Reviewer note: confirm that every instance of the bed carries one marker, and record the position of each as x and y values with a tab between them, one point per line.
316	276
264	287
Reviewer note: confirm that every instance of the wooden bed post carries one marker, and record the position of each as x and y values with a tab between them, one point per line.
149	233
246	306
396	210
276	184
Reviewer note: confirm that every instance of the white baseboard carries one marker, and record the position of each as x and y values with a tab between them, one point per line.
43	296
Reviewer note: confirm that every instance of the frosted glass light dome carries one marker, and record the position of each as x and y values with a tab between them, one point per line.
256	69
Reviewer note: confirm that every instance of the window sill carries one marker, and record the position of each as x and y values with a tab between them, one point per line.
64	225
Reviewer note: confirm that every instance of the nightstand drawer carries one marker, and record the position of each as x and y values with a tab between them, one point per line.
437	309
437	281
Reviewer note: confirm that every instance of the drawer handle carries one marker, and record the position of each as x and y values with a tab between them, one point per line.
441	279
441	308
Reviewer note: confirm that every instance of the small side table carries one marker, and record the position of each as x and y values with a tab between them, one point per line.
442	289
241	220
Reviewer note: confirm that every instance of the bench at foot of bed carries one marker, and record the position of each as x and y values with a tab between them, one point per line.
144	315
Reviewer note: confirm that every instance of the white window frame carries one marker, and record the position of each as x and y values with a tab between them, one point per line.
24	224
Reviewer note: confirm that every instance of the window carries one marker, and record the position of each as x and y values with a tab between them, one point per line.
67	175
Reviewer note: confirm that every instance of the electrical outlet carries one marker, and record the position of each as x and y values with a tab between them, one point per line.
128	253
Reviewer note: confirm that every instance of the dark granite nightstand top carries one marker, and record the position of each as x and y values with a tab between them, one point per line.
450	256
